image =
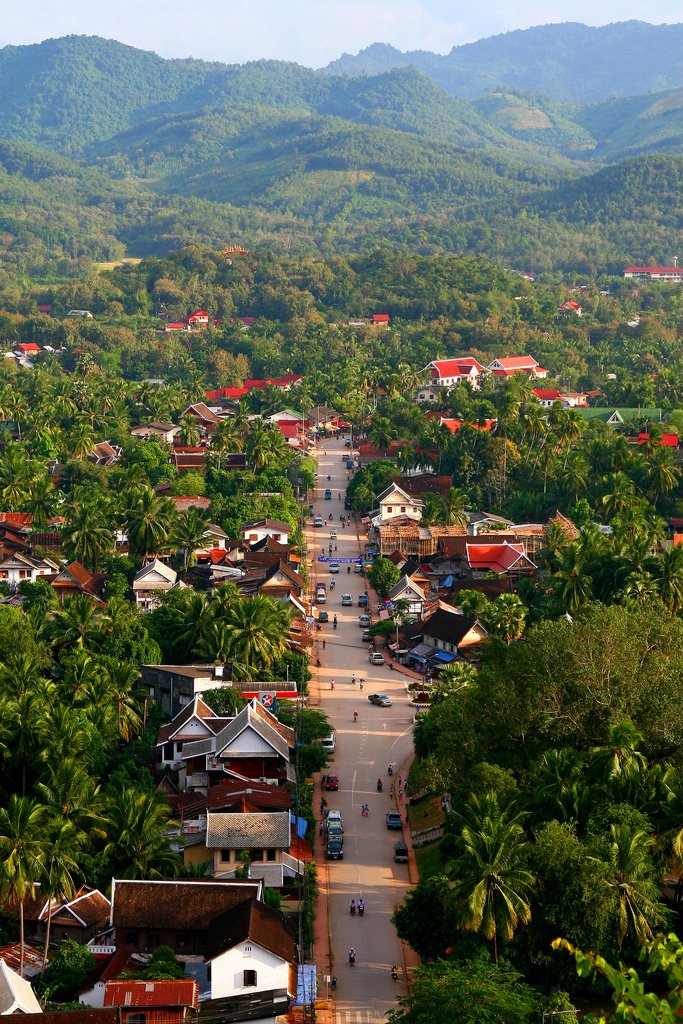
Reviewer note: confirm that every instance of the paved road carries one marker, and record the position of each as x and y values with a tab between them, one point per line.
364	750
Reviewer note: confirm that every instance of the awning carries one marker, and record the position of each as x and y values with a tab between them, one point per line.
448	582
422	652
444	656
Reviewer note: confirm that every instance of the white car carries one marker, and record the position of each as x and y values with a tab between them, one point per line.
333	533
334	566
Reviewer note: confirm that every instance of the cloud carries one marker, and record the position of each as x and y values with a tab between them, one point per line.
311	32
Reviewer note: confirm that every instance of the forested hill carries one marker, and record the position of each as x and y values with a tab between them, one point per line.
570	62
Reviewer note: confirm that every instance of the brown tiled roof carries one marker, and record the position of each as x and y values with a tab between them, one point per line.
75	573
425	483
186	904
197	708
273	722
228	795
91	907
256	921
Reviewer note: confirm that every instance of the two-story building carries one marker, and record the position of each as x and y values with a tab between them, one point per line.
508	366
260	529
150	582
394	502
253	745
443	374
17	568
265	836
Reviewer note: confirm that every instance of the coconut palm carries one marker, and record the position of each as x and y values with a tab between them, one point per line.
618	759
454	507
190	433
258	628
667	570
197	618
88	534
138	825
188	533
506	616
491	885
573	586
621	495
68	791
22	852
149	521
76	623
60	872
663	473
631	879
559	789
41	501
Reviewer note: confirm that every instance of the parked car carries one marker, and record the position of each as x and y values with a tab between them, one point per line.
323	616
328	494
321	593
380	699
393	820
364	621
334	567
400	852
367	636
347	504
329	743
376	658
335	831
334	849
362	600
334	816
332	782
318	521
346	601
358	567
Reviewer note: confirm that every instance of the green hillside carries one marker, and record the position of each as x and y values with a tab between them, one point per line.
639	124
568	62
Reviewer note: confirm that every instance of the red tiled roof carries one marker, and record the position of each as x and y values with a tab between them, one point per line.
453	367
183	992
28	346
455	425
16	518
380	318
517	362
547	394
666	440
497	558
221	393
175	327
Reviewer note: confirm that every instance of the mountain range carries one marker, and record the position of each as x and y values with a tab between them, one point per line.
106	149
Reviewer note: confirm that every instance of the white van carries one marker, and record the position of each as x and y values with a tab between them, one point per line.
321	594
329	743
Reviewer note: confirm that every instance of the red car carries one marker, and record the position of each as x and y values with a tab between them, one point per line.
332	782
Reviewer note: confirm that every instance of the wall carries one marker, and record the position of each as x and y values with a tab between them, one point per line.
227	971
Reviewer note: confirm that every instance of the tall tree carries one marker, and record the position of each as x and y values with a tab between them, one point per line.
22	853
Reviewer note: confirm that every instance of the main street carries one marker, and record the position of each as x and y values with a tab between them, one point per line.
364	750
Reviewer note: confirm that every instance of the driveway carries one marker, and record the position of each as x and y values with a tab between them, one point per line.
364	750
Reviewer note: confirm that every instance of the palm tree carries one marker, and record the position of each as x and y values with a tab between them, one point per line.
559	788
573	586
70	792
22	852
454	507
619	759
507	617
41	501
667	570
88	536
490	883
663	473
189	431
188	533
60	871
225	440
621	496
630	877
258	628
149	521
138	827
76	623
382	433
197	618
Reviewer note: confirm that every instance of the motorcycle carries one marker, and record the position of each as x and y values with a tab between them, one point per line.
394	972
332	584
390	770
361	908
348	569
380	787
334	982
335	622
355	717
329	477
352	908
352	957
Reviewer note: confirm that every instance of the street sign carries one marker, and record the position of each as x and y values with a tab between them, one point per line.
352	561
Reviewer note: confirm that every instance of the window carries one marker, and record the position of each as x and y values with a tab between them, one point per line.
225	856
270	854
131	938
249	979
403	508
135	1018
390	508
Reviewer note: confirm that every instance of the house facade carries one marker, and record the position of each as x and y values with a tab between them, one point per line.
507	366
447	373
394	502
150	582
16	568
260	529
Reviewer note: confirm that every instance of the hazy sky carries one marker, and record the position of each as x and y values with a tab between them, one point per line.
311	32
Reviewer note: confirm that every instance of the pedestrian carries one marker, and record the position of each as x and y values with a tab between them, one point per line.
399	781
400	791
353	678
332	685
323	643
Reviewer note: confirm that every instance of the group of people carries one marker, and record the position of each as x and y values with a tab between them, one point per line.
360	907
365	810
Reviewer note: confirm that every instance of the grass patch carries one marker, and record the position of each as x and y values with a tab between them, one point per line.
429	860
426	813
